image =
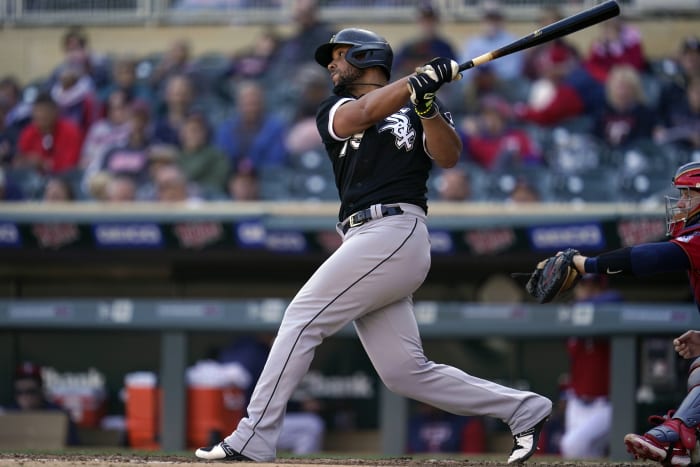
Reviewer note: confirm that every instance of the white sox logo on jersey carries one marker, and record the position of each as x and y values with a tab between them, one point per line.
400	127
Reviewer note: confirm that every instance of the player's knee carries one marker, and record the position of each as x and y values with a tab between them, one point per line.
394	380
694	374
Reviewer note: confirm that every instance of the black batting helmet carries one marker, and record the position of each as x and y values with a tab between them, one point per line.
367	49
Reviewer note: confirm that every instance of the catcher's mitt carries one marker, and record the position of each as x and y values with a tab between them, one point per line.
553	276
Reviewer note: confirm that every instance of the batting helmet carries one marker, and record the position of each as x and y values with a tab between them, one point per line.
367	49
684	211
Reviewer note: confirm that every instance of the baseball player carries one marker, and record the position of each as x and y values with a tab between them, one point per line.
382	139
674	440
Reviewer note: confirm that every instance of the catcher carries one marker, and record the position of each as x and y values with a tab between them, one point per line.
673	441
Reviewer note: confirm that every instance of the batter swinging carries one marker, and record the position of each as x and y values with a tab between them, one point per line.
382	140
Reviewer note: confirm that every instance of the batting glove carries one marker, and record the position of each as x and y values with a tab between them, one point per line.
423	89
442	70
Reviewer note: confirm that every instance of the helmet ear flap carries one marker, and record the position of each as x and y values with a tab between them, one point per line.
367	49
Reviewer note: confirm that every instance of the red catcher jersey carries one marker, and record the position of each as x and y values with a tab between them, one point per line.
689	241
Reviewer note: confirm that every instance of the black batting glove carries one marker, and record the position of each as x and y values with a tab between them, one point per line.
440	69
423	88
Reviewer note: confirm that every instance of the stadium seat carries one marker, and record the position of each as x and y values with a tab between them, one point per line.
594	186
29	181
275	183
573	152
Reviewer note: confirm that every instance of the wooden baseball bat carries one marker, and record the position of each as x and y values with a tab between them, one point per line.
568	25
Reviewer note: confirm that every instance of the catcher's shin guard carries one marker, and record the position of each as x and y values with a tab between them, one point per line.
679	429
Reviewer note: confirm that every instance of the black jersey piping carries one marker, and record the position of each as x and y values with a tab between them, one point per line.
413	229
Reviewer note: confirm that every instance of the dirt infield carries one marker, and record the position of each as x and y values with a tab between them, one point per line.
109	460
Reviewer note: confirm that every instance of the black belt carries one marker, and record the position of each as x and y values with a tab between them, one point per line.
364	216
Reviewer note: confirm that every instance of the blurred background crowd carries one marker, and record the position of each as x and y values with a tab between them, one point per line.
555	123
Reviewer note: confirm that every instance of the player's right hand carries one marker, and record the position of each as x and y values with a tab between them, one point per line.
440	69
688	345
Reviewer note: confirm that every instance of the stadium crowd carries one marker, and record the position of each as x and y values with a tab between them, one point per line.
563	124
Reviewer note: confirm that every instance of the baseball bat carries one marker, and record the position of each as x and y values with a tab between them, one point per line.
568	25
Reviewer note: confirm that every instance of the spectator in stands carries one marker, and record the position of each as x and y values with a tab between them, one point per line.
19	112
50	143
58	189
493	143
8	137
107	133
625	119
177	104
588	417
524	191
673	94
295	50
124	78
681	125
28	391
131	158
562	91
77	52
427	45
254	61
172	186
243	183
454	184
618	43
120	189
312	87
252	133
177	60
74	93
200	161
309	32
493	36
484	81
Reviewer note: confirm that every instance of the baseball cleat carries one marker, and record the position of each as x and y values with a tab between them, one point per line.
525	443
221	452
648	448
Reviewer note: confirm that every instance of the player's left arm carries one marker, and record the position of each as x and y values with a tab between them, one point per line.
442	142
639	260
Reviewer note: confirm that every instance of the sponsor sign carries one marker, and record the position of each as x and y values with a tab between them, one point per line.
557	237
9	235
129	235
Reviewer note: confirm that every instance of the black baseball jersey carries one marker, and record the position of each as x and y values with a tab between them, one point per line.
387	163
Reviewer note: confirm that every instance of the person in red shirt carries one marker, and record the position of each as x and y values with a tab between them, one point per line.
50	143
553	98
619	43
588	416
494	143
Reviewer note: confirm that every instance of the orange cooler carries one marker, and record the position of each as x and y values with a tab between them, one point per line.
212	414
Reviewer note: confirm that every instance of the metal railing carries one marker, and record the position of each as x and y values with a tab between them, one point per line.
65	12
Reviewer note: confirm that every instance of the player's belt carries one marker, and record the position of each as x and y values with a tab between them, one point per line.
366	215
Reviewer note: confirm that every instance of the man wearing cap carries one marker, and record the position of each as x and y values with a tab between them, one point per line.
426	46
28	391
493	36
673	95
